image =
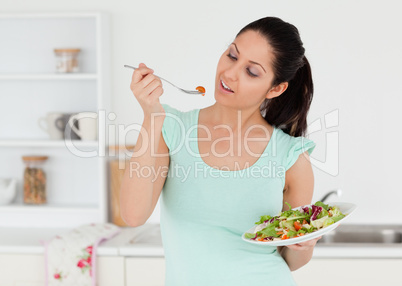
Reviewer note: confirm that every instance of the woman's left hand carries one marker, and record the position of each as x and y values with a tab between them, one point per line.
306	245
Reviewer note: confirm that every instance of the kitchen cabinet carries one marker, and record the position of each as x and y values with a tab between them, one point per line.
352	271
150	271
29	269
30	88
145	271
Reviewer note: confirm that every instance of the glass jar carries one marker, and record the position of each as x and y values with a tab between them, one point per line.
34	180
67	60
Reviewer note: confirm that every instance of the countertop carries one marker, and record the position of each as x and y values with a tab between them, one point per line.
29	241
145	241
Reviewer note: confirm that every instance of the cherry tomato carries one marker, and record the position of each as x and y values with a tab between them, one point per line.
297	225
201	89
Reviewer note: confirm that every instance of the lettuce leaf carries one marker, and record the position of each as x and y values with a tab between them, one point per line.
323	213
270	229
249	235
287	224
321	204
337	218
291	233
328	222
263	219
319	223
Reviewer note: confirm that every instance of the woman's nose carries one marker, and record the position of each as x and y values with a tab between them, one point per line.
232	73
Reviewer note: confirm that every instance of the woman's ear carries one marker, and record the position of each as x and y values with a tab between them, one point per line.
277	90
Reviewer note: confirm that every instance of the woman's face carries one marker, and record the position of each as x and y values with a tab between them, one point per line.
244	73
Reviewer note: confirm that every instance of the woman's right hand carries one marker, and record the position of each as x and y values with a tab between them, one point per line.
147	88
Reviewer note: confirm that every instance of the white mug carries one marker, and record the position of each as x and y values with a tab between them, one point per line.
63	126
87	125
51	127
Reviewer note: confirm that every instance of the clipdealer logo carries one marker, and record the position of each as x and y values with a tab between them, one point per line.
329	164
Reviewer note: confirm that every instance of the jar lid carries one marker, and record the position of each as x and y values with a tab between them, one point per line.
67	50
34	158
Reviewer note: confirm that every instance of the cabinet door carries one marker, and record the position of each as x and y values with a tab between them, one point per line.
22	270
145	271
335	272
29	270
110	271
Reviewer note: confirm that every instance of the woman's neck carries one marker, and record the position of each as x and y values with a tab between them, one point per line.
233	118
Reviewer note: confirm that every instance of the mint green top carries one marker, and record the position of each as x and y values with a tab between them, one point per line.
205	211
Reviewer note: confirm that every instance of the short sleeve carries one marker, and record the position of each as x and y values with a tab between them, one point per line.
298	146
170	126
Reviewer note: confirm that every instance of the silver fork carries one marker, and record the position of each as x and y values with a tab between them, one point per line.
183	90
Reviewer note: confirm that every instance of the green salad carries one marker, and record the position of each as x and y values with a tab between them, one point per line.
295	223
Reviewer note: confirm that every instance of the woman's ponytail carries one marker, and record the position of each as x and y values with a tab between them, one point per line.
289	110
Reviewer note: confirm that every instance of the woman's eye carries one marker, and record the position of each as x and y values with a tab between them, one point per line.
251	74
232	57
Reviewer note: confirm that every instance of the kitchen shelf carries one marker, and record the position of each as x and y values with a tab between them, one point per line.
47	143
49	76
46	208
30	88
48	216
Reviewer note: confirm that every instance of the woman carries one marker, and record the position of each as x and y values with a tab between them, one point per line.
224	166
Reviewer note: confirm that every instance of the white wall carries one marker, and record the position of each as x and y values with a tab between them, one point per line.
353	46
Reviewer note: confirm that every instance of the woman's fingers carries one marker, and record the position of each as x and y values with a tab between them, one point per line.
147	88
144	81
148	79
157	92
140	72
151	87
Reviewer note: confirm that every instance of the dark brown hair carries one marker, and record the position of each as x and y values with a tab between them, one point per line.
289	110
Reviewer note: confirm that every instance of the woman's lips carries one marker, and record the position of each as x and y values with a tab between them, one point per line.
222	86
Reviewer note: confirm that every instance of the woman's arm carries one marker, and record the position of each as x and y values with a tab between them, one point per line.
146	174
299	187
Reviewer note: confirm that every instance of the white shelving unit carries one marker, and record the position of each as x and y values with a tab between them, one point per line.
29	88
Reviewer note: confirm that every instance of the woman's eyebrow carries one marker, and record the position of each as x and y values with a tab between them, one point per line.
249	61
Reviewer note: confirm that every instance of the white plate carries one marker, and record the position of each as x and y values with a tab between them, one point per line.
346	208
